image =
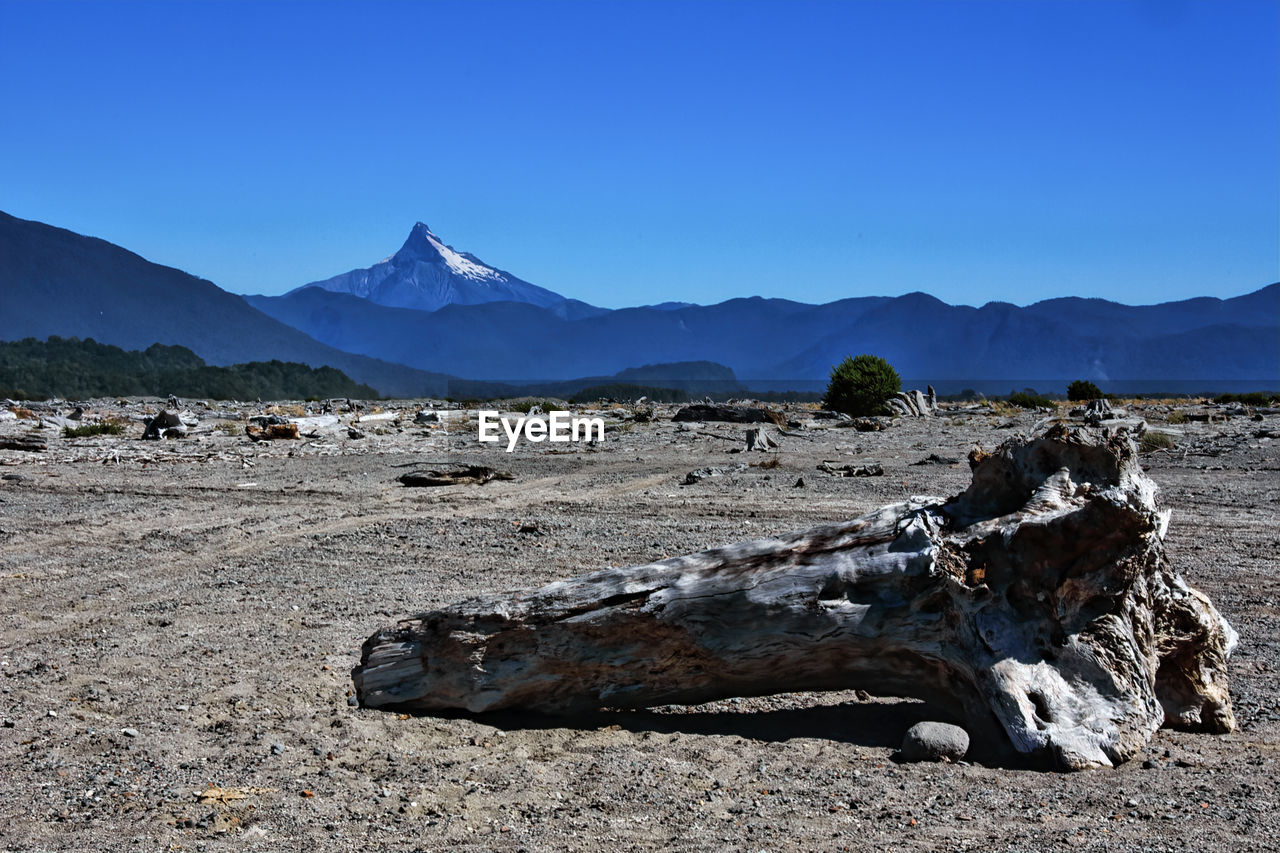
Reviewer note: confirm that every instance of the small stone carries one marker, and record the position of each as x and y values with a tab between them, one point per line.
353	701
930	741
277	749
1150	765
799	484
129	732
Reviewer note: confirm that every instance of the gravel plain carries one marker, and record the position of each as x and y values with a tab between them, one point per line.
180	618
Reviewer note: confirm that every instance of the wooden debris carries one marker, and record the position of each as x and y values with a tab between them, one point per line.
1038	606
272	431
29	442
730	414
874	469
465	475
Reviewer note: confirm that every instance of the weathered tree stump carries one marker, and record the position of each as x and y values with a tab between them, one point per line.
1038	606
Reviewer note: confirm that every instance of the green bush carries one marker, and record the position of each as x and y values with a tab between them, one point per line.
1251	398
1030	400
860	386
86	430
1082	390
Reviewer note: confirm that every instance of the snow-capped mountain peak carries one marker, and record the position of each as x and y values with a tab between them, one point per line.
424	245
428	274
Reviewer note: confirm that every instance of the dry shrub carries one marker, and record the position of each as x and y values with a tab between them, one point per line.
1153	441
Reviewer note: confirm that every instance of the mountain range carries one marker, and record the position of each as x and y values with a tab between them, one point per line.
407	324
57	282
548	337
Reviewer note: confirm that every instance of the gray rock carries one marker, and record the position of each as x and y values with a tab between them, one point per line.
935	742
277	749
129	732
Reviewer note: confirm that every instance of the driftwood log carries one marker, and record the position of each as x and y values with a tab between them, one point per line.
1037	606
29	442
729	414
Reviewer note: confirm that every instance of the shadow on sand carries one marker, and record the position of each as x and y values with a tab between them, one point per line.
879	724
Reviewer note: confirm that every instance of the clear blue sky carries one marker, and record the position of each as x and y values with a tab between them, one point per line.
632	152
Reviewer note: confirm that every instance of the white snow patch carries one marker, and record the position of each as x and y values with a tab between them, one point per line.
461	265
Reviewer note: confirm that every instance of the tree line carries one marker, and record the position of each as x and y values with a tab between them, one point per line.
75	369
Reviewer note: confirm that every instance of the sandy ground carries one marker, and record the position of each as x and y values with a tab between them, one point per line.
180	619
